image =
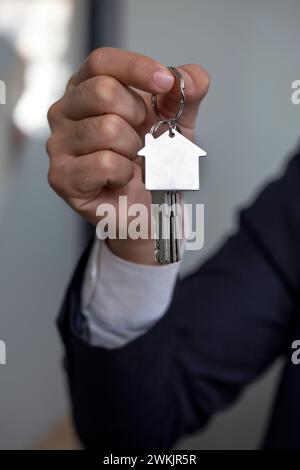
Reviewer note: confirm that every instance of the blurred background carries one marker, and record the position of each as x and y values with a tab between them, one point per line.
248	125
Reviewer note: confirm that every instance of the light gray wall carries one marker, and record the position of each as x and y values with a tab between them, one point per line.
247	124
40	242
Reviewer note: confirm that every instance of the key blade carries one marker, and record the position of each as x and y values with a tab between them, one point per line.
161	215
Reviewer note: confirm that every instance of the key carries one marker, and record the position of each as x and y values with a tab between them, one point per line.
161	220
176	227
167	226
171	165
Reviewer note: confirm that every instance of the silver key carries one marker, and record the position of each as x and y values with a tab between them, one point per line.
167	226
176	226
160	219
171	165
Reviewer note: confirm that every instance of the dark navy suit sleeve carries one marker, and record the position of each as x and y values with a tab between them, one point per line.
227	323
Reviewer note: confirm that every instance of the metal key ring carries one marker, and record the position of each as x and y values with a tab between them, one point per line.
172	126
179	111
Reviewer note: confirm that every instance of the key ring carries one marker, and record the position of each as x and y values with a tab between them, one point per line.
172	121
172	126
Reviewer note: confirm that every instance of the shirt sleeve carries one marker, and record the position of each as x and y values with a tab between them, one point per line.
121	300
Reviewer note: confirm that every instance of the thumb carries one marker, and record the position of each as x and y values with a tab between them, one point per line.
196	81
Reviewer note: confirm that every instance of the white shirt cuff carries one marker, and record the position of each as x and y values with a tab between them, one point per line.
121	300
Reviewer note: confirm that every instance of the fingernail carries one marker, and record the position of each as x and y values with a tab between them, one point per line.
163	79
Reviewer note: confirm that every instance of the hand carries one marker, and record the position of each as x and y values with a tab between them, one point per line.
99	125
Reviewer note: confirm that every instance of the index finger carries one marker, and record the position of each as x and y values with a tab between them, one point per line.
130	68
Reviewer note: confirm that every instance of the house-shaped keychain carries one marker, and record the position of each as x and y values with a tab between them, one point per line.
171	162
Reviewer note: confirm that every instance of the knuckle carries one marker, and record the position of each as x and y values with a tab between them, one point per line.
95	58
91	61
71	81
106	89
110	127
52	114
50	146
70	94
52	178
108	163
